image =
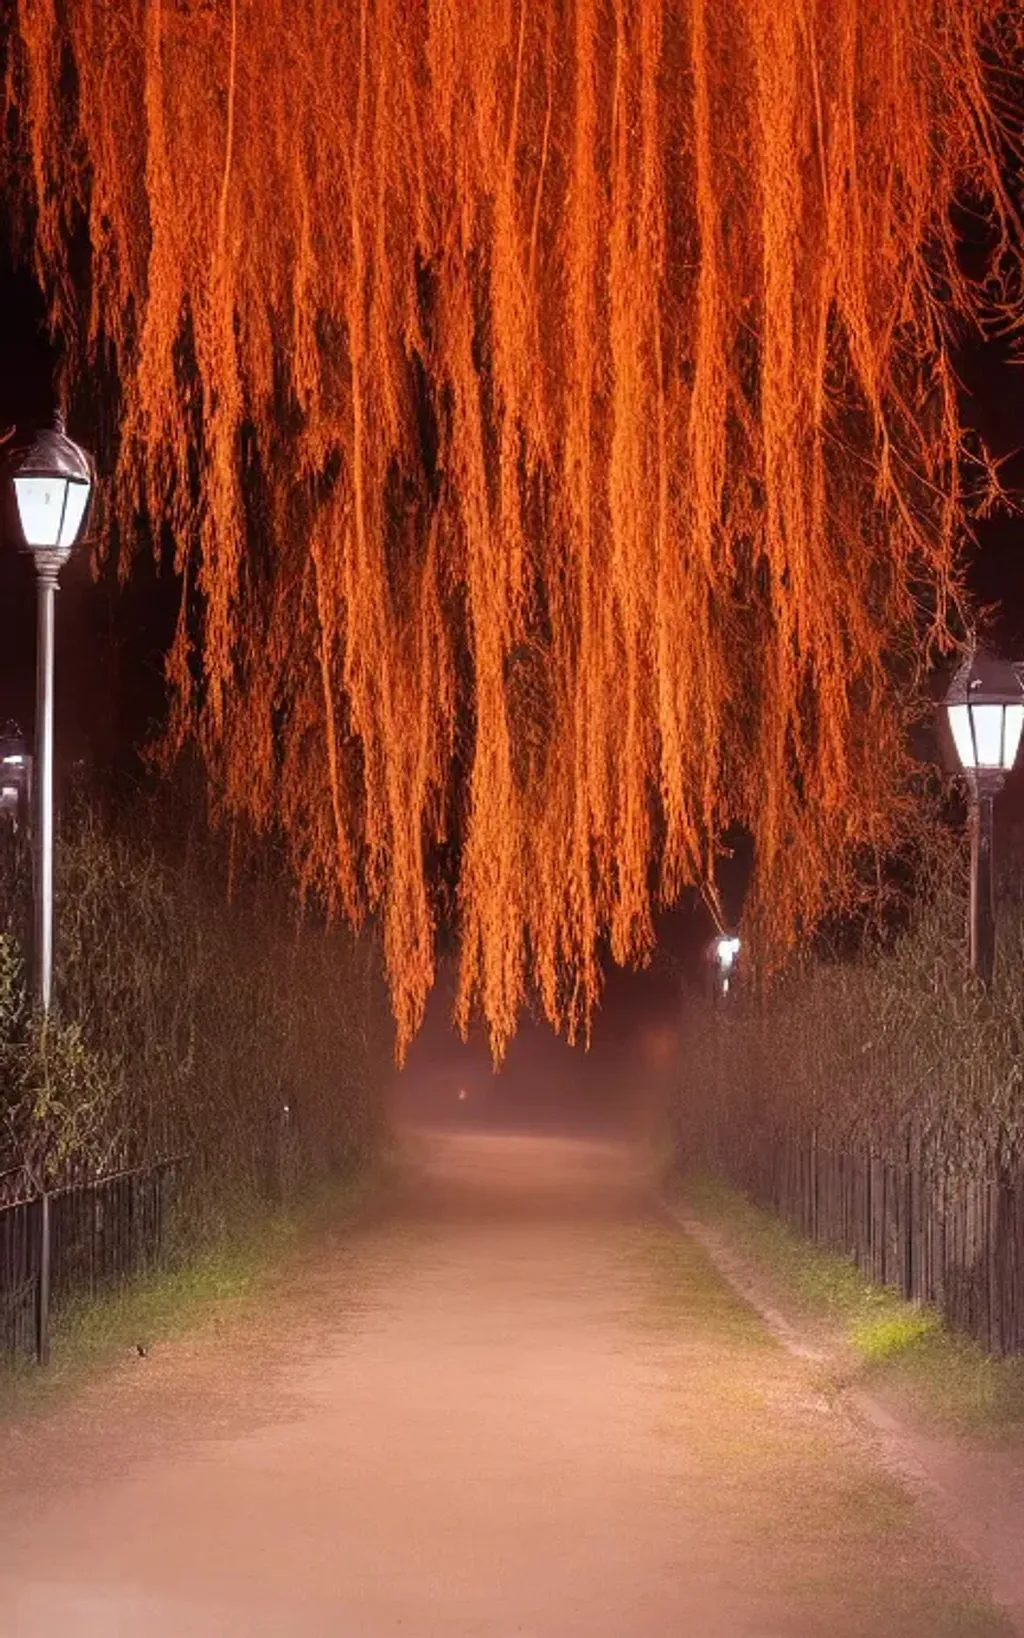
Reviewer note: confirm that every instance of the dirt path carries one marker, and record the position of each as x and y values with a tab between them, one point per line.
513	1402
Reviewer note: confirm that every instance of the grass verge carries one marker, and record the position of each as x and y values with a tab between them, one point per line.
235	1266
900	1350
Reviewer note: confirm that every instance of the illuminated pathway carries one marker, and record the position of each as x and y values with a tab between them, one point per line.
512	1402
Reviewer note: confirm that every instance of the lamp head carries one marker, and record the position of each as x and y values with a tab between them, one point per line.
985	712
52	480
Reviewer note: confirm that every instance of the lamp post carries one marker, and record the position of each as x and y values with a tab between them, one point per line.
985	712
723	955
52	480
15	777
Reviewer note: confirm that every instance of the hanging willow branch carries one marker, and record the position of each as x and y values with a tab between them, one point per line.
552	406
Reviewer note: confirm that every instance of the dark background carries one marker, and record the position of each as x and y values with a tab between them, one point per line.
110	695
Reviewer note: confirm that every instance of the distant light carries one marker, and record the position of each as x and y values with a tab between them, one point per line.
727	948
15	775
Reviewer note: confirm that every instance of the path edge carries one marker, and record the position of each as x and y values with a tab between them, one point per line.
898	1446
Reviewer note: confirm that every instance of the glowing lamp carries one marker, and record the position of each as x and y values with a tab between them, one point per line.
985	711
15	776
52	482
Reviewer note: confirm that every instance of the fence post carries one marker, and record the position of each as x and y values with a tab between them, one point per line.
43	1286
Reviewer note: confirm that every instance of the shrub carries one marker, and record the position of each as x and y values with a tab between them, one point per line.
232	1029
895	1046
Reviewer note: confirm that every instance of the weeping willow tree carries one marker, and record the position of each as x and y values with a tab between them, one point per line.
551	405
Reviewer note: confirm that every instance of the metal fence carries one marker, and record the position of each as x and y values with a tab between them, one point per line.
954	1242
75	1243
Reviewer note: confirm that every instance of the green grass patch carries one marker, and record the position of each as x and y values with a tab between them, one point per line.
896	1347
236	1265
889	1336
682	1284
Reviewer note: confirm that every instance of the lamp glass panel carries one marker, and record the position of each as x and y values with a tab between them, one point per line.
41	508
988	734
1012	730
963	739
74	511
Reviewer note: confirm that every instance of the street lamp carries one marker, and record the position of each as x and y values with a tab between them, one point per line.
52	481
985	712
723	954
15	776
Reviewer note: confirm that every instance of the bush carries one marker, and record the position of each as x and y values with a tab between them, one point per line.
896	1046
236	1031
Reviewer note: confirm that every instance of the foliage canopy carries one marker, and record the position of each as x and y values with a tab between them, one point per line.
552	406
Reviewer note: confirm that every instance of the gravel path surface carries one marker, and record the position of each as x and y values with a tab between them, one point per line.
511	1401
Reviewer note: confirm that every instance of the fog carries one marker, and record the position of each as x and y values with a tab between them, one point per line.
616	1087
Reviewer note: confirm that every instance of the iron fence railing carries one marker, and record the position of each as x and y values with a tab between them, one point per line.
956	1243
76	1242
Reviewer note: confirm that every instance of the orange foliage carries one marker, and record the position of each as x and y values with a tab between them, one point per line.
551	403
